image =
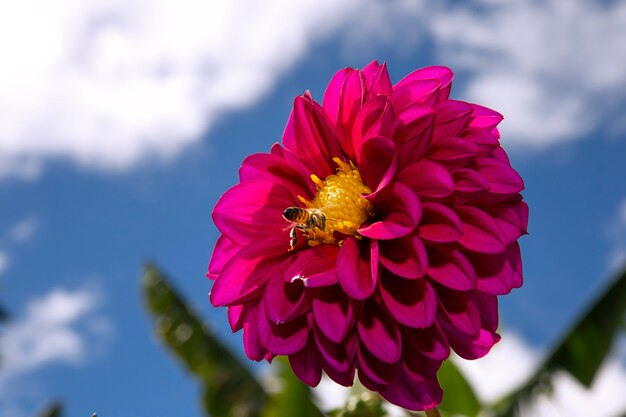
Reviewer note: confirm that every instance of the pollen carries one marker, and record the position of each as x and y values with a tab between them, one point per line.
339	198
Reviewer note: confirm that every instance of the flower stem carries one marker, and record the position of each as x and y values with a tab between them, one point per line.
433	412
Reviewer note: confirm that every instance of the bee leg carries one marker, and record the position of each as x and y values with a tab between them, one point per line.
321	236
293	234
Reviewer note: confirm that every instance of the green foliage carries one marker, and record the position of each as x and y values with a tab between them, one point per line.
229	389
586	345
293	398
582	350
361	403
458	395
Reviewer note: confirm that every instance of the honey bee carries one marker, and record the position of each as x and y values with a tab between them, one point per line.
309	221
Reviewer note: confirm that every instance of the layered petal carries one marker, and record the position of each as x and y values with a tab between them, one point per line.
402	211
357	268
310	137
247	272
379	333
412	303
252	210
342	101
405	257
406	235
223	251
305	363
333	312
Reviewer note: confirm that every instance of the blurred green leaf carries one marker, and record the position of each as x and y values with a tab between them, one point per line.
583	348
586	345
293	398
53	410
458	395
361	403
229	389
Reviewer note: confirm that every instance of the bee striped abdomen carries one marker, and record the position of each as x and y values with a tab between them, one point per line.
296	215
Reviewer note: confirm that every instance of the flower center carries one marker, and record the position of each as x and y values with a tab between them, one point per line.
339	203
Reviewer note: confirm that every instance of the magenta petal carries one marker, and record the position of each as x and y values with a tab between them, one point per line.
427	179
413	133
354	269
469	181
419	91
377	371
342	103
481	233
379	333
309	136
332	95
377	79
411	302
501	177
439	224
486	141
514	258
431	342
376	119
284	301
420	366
495	274
411	393
286	338
452	151
401	216
236	315
350	103
485	118
252	210
512	219
337	359
306	364
262	166
251	340
333	312
487	305
460	311
471	347
223	251
378	163
315	266
405	257
246	272
451	116
452	269
440	73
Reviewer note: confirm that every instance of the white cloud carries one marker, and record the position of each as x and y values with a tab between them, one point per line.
24	230
54	329
107	83
616	233
4	262
507	366
555	69
512	361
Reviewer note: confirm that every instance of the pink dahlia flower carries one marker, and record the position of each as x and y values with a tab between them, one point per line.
375	238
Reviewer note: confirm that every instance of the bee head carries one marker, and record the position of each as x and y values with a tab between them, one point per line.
291	213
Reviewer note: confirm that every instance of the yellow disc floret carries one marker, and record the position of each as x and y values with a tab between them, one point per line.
339	200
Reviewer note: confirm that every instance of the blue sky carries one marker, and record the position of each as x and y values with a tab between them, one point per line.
114	149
